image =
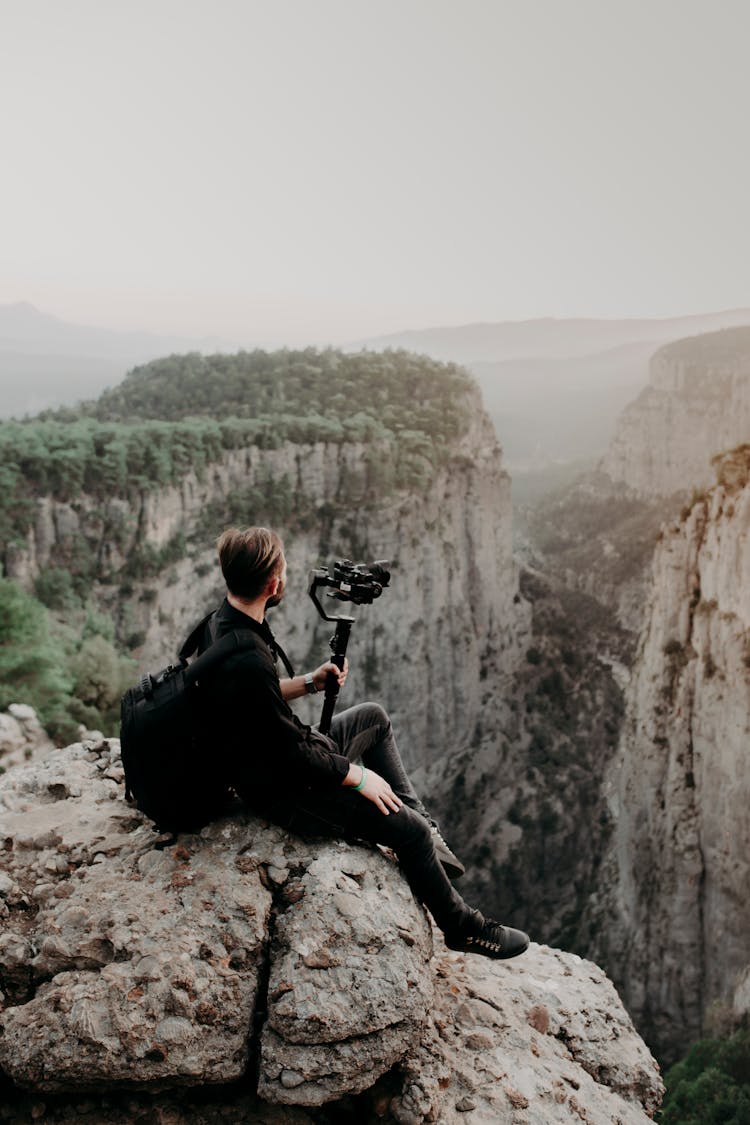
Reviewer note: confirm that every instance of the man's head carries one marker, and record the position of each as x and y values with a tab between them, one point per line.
252	562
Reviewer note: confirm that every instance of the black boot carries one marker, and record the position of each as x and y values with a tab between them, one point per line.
489	938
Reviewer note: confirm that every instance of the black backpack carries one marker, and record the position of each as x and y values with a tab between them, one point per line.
163	737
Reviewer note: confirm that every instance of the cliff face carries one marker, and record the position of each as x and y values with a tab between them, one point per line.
697	404
450	620
284	973
673	930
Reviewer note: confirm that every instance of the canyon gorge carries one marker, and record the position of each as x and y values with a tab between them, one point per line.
578	720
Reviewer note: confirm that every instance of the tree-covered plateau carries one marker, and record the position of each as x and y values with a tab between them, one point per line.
178	415
183	412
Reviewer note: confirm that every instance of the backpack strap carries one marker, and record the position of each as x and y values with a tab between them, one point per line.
195	637
241	641
236	641
283	658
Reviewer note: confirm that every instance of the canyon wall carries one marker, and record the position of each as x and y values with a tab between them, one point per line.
672	916
697	404
451	620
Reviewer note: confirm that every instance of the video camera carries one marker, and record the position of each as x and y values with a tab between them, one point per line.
359	583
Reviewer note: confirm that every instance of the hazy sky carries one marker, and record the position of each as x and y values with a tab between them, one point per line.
326	169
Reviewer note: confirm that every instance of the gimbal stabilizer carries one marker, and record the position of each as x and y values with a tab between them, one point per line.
349	582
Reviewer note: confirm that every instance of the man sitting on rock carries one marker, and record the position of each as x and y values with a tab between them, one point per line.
349	785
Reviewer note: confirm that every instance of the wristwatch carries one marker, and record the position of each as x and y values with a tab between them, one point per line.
310	687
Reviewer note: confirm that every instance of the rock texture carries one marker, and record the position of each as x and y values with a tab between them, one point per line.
697	404
674	929
134	966
128	963
22	737
541	1039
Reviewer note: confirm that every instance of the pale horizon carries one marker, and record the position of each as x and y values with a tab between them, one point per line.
298	174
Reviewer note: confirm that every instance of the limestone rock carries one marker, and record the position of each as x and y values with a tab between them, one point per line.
697	404
673	916
539	1039
286	973
22	737
346	992
132	960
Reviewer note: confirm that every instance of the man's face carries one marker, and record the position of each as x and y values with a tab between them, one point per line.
276	598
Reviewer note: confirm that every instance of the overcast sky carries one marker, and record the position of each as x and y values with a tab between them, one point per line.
313	170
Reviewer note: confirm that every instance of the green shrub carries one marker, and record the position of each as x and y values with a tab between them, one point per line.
711	1086
69	673
100	676
54	588
33	663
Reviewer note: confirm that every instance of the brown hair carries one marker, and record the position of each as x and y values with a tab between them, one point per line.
249	558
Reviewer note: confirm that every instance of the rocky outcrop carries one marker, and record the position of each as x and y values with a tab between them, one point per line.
134	964
22	737
696	405
289	973
673	929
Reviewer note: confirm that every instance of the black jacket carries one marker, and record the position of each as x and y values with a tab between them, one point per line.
263	750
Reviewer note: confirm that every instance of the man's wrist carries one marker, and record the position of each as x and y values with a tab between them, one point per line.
310	687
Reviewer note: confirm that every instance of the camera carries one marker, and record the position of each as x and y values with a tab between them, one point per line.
360	583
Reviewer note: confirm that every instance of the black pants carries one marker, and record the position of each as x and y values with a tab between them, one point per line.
364	733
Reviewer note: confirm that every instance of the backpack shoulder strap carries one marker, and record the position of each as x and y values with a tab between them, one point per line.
236	641
283	658
195	637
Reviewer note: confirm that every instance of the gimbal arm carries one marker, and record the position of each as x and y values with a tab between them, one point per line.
339	641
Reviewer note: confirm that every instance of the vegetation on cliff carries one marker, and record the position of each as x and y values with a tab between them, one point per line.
70	675
711	1085
566	710
182	413
733	468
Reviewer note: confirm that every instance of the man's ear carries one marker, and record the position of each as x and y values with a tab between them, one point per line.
272	587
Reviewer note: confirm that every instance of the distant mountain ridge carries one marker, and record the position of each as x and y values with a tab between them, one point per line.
47	362
555	388
549	337
24	324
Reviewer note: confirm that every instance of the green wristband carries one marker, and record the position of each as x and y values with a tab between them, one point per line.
361	780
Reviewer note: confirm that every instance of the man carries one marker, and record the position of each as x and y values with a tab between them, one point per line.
351	784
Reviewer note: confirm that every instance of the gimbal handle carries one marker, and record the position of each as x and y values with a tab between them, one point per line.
339	641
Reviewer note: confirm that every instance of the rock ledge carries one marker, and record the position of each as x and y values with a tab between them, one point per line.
251	959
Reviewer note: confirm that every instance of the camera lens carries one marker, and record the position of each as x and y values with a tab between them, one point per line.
380	571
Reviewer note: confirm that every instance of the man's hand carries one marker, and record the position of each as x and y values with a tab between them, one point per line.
375	788
295	689
320	675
